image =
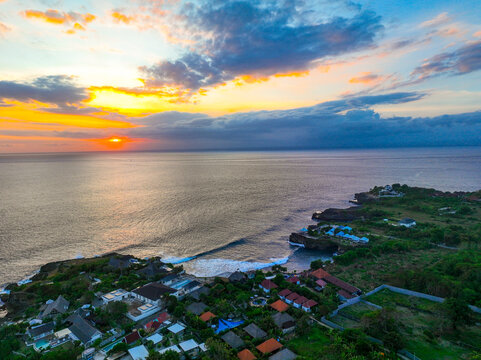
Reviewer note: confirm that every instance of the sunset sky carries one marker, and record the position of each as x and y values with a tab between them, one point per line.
197	75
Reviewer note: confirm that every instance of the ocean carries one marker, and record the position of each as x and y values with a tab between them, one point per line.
212	211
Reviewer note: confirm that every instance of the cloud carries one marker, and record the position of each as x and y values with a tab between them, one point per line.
235	38
120	17
4	29
440	19
461	61
348	122
54	89
366	78
77	20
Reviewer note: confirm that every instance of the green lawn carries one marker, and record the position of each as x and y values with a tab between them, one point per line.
357	310
310	345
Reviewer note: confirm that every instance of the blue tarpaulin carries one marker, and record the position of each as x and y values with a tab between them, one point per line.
225	324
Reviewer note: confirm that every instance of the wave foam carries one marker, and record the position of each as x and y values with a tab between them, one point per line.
177	260
214	267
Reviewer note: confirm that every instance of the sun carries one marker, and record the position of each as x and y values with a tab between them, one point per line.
115	140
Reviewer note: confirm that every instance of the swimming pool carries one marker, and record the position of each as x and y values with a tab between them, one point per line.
111	346
180	284
41	344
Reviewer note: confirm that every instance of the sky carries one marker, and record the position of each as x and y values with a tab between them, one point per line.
144	75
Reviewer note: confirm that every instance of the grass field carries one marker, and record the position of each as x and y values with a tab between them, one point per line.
419	318
311	345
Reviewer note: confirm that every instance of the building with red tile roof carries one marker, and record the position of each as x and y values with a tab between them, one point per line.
342	285
269	346
279	305
283	293
246	354
267	285
299	301
132	337
319	274
207	316
291	297
294	280
308	305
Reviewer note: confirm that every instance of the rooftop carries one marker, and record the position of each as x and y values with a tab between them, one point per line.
232	339
139	352
188	345
176	328
269	346
284	354
153	291
279	305
268	284
207	316
196	308
246	354
319	273
255	331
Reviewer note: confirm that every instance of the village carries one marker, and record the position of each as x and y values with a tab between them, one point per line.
253	314
121	307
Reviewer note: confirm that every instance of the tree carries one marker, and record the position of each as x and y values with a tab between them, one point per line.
116	309
457	311
218	350
168	355
120	347
383	325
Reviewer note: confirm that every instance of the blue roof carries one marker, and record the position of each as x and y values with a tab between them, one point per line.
340	233
225	324
347	228
304	229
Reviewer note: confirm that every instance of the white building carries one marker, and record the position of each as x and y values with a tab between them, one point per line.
139	352
115	295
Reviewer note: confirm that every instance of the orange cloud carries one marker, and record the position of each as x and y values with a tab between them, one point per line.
122	18
56	17
365	78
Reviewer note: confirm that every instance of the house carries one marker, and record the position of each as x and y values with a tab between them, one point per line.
344	295
176	328
284	354
59	306
407	222
190	347
299	301
284	321
320	285
267	285
279	305
82	330
196	308
121	261
255	331
207	316
294	280
342	285
237	276
115	295
269	346
308	305
283	293
191	286
157	322
388	191
232	340
152	270
152	293
246	354
319	274
139	352
169	279
291	297
196	294
131	338
41	331
156	338
170	348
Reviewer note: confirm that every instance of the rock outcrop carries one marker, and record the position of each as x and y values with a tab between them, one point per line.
339	215
323	243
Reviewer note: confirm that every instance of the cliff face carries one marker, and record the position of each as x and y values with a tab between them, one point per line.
323	244
332	214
